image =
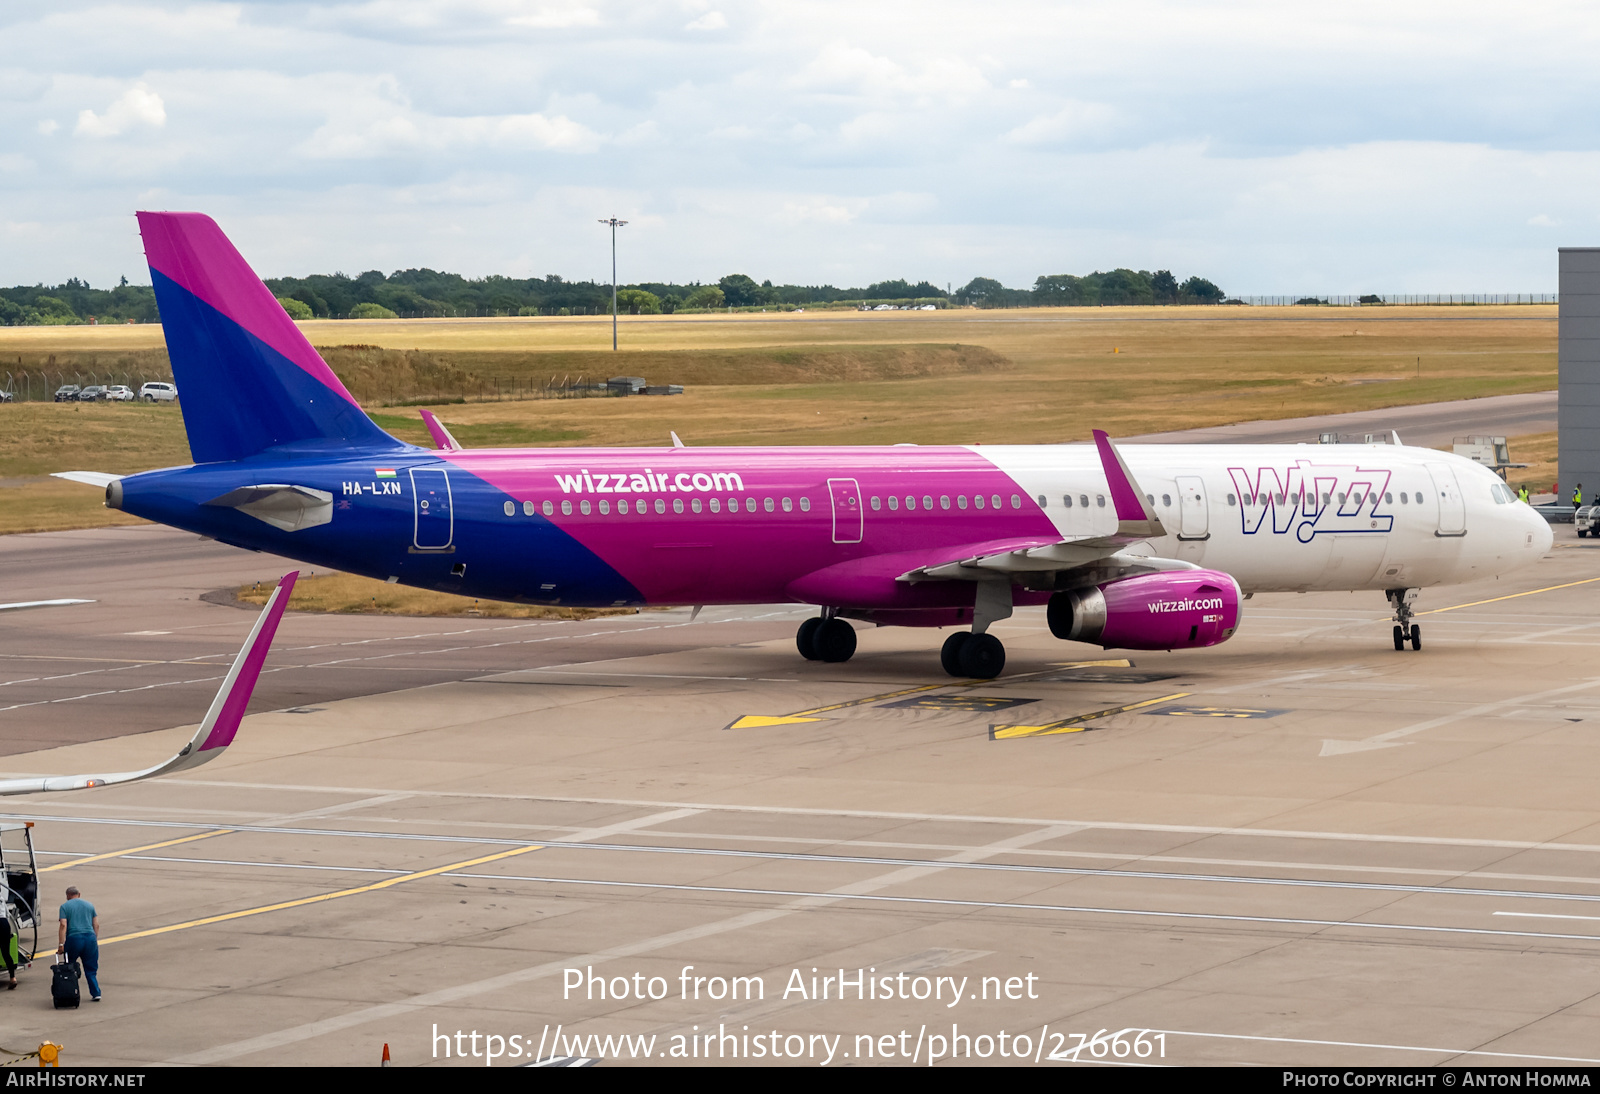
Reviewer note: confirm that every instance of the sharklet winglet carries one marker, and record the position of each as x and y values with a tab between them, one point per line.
216	730
442	439
1135	518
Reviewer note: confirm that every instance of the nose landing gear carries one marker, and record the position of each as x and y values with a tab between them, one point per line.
1404	629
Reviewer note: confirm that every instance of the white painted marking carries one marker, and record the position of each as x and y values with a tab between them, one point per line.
1392	738
1551	915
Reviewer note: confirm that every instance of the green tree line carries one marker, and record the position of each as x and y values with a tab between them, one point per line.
425	292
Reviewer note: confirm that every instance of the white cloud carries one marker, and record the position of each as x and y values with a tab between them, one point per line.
1542	221
711	20
1073	121
136	106
48	126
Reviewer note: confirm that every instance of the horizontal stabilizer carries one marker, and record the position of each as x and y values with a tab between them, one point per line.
88	478
221	722
292	508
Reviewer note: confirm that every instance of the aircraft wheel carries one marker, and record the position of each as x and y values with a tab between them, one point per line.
835	641
1416	637
1582	533
950	655
805	638
1399	637
982	657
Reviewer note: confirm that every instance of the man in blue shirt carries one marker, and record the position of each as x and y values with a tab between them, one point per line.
80	937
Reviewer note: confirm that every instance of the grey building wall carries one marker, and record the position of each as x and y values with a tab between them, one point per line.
1578	404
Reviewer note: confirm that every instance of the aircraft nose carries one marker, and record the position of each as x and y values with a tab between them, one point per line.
1544	536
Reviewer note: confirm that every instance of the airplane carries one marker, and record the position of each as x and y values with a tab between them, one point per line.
1148	547
216	730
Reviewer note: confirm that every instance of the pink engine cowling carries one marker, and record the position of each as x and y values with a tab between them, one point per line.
1167	611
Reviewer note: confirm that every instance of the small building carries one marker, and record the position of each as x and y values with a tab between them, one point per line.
626	385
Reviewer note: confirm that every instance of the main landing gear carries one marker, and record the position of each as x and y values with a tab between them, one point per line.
977	654
826	638
1404	629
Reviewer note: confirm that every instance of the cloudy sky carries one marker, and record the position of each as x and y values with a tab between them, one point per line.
1275	147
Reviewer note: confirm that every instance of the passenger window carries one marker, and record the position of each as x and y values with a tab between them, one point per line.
1150	499
1099	499
1325	499
677	505
944	501
510	508
768	505
788	505
1280	499
716	505
894	503
1166	499
961	500
805	504
977	501
1083	500
1066	500
584	506
694	503
911	503
927	501
1016	502
1388	498
549	509
1341	499
566	508
1044	502
749	505
877	503
1232	501
661	505
527	508
605	508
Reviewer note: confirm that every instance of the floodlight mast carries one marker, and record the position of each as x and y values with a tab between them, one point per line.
615	224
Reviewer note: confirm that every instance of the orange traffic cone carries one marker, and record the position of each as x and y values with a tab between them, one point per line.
385	1055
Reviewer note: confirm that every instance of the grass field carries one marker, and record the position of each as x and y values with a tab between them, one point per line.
348	594
1033	376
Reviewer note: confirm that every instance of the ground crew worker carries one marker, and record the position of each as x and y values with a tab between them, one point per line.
1522	493
80	937
1577	495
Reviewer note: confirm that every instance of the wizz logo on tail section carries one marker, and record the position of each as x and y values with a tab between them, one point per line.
1312	499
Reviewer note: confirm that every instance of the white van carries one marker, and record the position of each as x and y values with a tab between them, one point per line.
159	393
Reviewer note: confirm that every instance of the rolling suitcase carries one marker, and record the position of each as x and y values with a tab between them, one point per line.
64	984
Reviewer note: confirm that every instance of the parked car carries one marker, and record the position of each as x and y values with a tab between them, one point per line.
119	393
6	396
155	392
67	393
92	394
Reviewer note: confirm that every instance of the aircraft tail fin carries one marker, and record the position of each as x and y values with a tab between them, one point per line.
247	378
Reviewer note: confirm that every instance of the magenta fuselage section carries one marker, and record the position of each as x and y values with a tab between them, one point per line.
1170	611
759	525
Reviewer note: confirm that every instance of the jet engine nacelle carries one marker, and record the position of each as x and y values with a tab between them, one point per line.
1166	611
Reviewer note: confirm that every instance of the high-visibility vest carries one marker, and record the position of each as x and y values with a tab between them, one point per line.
1522	494
1577	497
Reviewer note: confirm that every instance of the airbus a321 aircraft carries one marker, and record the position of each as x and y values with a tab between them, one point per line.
1153	547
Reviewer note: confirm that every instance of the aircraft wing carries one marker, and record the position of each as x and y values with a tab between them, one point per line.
221	721
1136	521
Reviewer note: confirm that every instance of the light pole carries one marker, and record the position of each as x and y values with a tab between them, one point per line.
615	224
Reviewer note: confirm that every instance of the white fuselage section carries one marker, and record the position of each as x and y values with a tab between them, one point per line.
1299	517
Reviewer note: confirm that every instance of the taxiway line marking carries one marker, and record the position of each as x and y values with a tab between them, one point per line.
756	721
1011	906
1073	724
135	850
1549	915
320	897
1510	596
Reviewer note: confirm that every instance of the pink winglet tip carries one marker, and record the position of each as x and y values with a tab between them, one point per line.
255	655
441	436
1124	498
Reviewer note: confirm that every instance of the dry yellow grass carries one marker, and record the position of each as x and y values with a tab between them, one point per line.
348	594
1126	370
1538	451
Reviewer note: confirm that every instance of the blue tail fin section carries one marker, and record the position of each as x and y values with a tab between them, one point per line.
247	378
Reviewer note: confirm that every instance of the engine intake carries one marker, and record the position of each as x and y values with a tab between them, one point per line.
1167	611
